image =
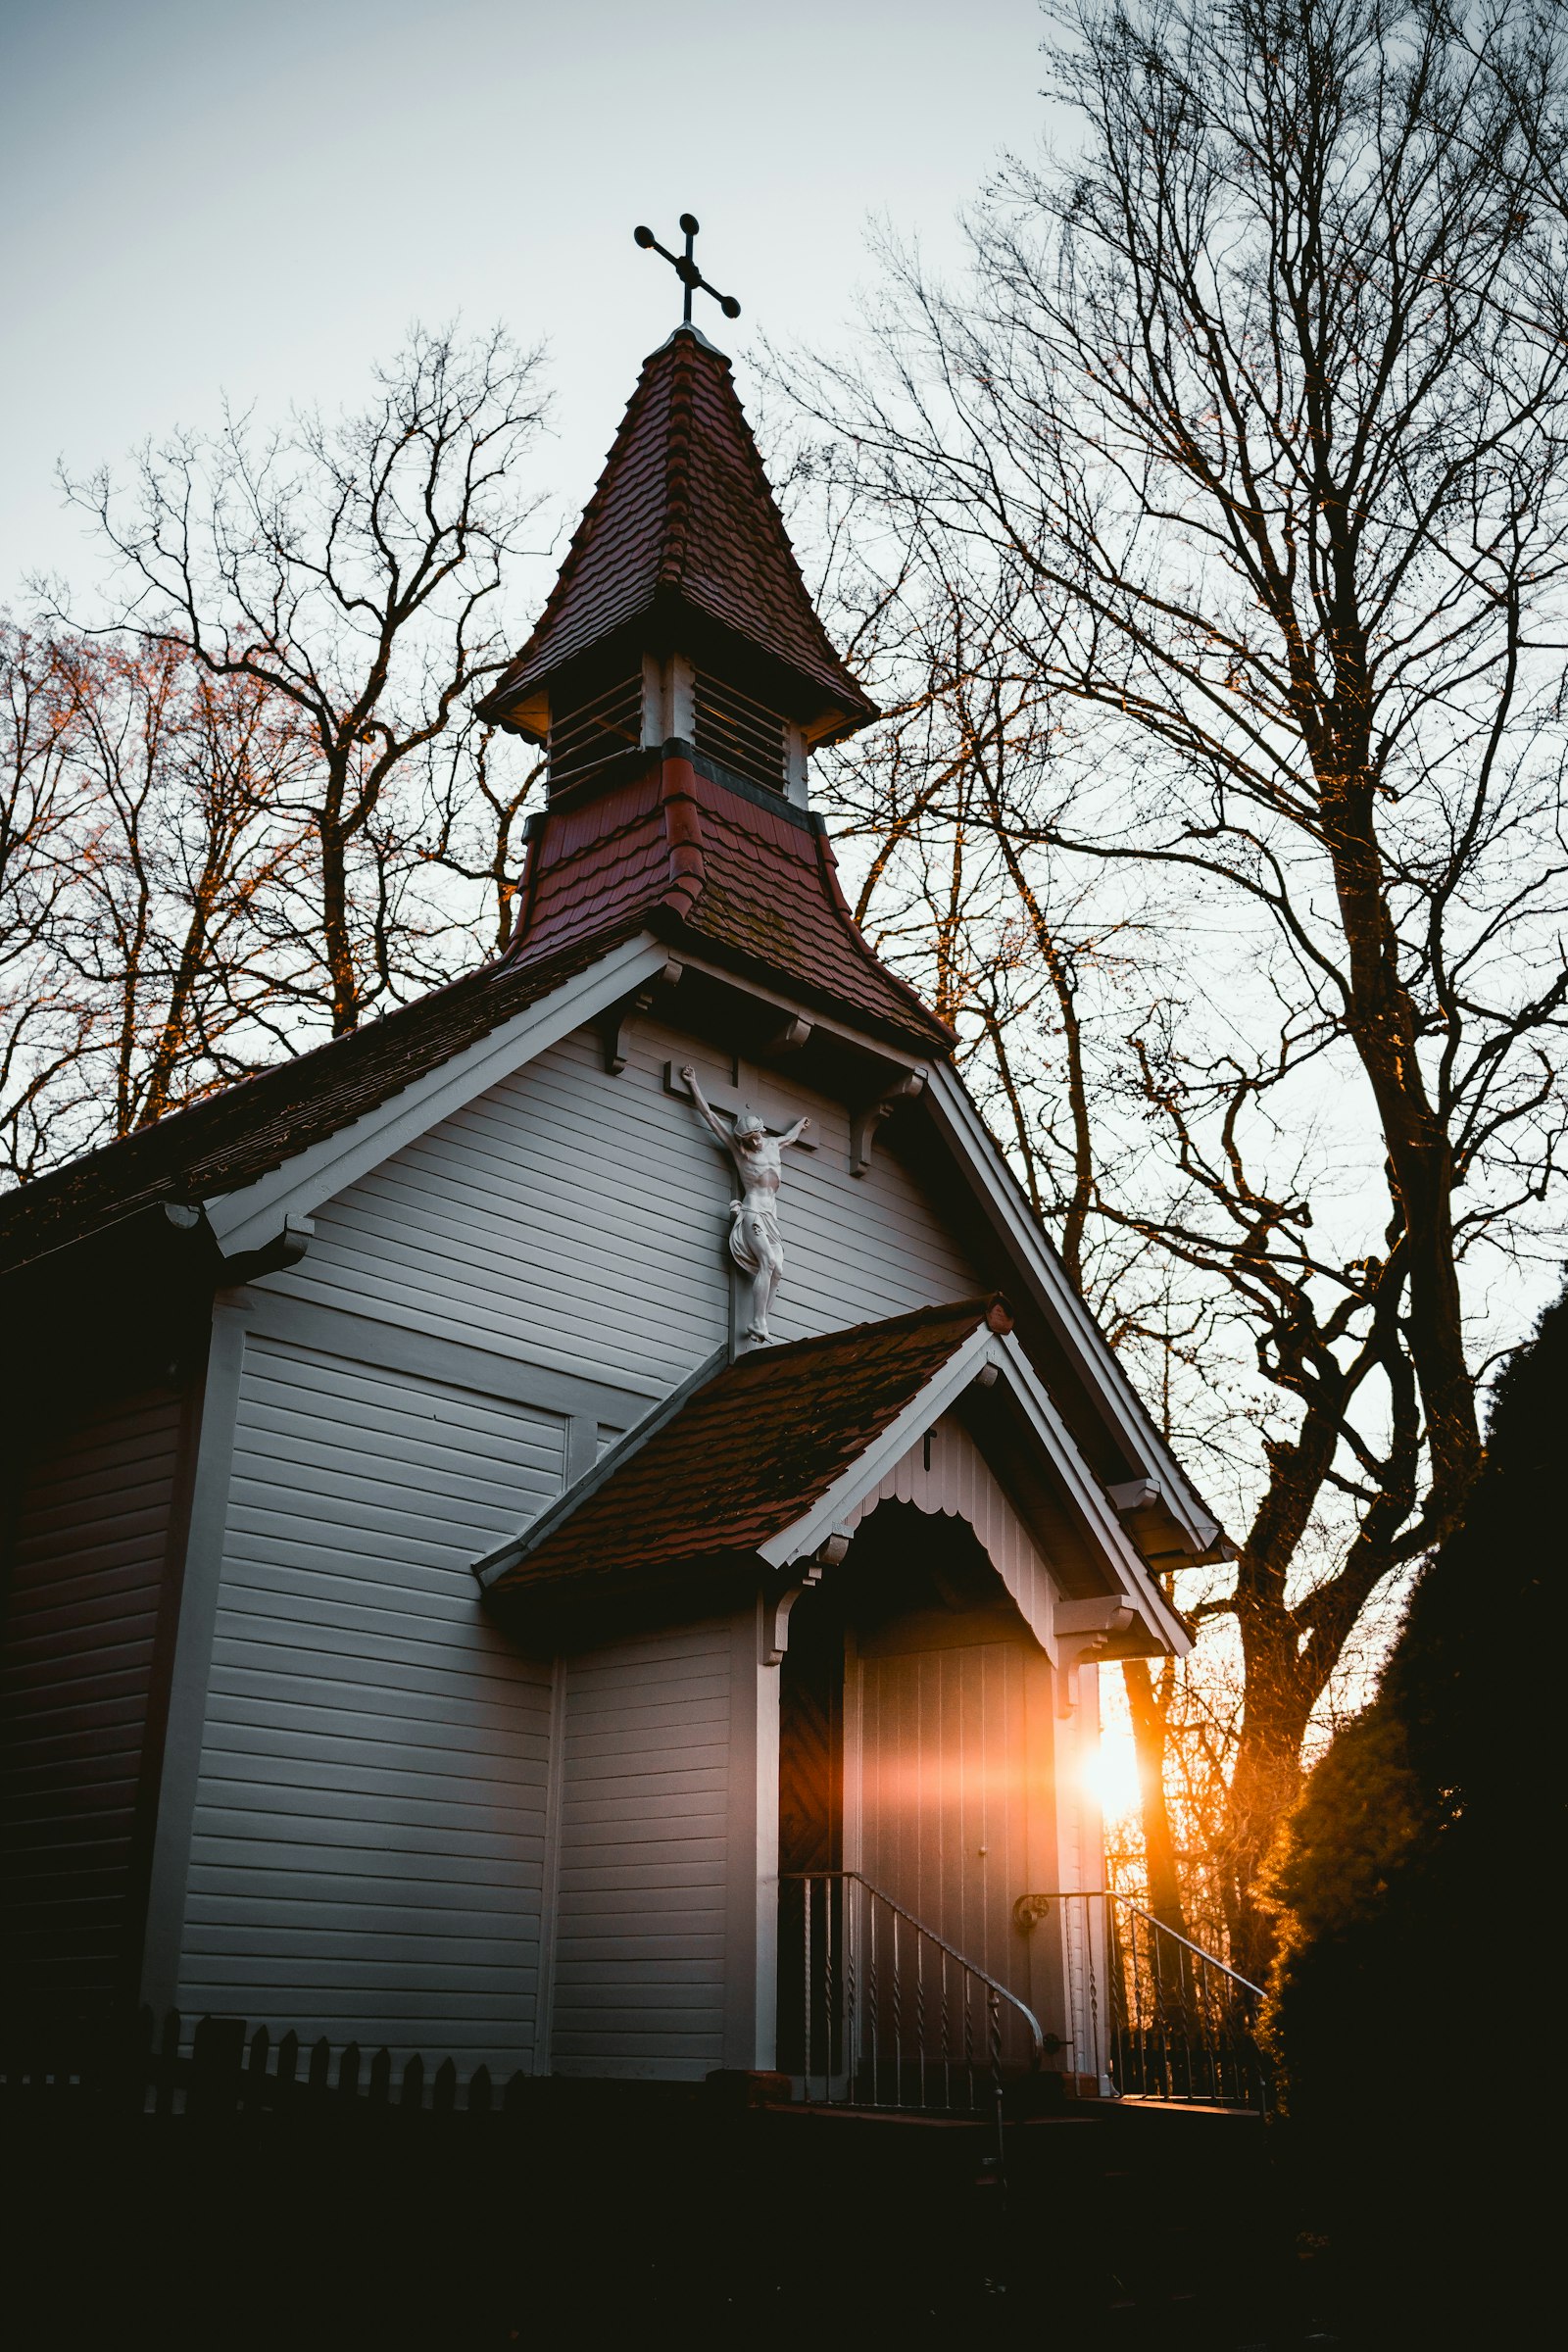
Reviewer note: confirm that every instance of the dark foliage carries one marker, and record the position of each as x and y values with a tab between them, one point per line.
1414	1882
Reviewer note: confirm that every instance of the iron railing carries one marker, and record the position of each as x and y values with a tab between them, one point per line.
1148	2010
878	2010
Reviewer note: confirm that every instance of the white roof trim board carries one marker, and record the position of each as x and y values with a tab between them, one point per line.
248	1218
948	1099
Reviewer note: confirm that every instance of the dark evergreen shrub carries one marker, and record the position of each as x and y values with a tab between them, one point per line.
1415	1995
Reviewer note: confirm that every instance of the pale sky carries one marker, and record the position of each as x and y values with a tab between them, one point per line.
206	198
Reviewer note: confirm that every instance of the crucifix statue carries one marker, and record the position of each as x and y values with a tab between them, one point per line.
753	1235
685	267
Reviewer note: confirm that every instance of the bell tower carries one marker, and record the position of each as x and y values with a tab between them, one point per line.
679	679
680	616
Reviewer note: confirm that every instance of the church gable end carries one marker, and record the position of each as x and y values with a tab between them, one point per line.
577	1220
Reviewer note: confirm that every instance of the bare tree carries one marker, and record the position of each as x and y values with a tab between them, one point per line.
482	793
43	1017
352	571
187	859
1244	443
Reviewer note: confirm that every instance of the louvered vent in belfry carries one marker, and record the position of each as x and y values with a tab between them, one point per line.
584	735
739	733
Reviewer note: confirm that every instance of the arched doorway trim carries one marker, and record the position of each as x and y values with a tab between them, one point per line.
945	1475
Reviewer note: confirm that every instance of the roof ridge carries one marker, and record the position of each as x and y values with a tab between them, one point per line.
683	835
773	519
671	568
978	1309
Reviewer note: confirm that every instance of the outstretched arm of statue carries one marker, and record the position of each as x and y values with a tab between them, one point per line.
793	1135
709	1113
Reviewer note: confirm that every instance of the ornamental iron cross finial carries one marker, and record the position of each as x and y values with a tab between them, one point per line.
686	270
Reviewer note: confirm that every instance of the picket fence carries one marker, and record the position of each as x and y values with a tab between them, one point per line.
231	2069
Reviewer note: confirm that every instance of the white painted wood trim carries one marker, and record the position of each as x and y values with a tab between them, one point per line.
252	1216
1046	1989
945	1475
1127	1571
550	1883
654	701
366	1338
680	697
973	1143
750	1940
868	1470
795	755
1120	1552
853	1756
796	1008
193	1656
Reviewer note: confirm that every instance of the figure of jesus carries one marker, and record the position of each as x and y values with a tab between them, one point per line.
754	1236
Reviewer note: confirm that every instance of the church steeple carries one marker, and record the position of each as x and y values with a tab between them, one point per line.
681	612
679	675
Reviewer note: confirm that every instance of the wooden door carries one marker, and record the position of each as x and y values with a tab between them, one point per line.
942	1779
944	1790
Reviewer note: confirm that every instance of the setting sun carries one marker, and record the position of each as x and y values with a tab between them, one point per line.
1109	1772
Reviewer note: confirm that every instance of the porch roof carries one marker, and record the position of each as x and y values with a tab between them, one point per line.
756	1467
739	1456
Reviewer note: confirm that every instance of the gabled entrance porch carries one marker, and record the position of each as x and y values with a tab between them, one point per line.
929	1791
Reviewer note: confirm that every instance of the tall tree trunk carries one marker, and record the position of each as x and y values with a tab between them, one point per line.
1383	1026
336	943
1265	1782
1149	1710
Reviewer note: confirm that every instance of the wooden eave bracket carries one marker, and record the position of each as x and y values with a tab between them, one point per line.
866	1123
1142	1506
778	1599
1083	1629
613	1024
286	1248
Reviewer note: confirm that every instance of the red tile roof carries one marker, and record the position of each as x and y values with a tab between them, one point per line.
231	1137
745	1456
677	849
683	518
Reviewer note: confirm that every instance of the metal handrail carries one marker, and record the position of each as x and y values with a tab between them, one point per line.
1108	1895
1182	2023
802	1877
1176	1937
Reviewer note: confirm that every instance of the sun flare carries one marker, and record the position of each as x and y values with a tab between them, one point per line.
1109	1772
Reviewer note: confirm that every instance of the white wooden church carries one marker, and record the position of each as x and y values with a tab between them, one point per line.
533	1527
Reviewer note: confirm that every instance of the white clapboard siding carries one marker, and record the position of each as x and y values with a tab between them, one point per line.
369	1821
639	1982
80	1618
580	1221
956	1481
556	1217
